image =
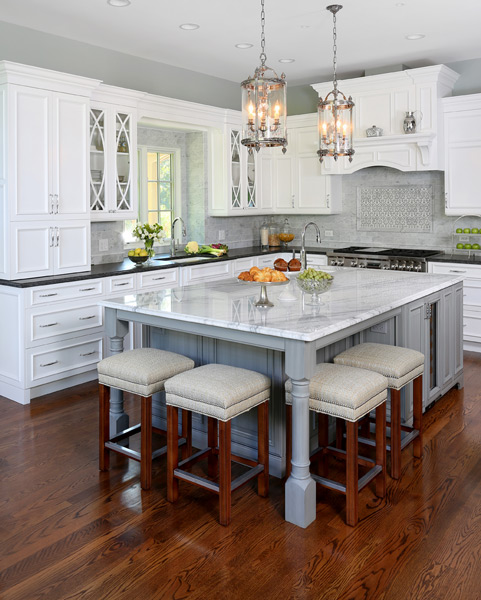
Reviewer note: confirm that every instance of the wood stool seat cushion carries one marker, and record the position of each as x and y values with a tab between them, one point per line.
218	391
142	371
343	392
399	365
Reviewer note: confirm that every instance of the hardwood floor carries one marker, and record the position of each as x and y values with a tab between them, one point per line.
68	531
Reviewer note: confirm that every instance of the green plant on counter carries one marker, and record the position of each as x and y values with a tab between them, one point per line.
148	234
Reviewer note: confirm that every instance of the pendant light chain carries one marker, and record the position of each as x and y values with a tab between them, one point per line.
263	56
334	49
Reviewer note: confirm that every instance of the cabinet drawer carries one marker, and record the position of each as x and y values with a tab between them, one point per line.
43	325
121	284
202	273
459	269
59	360
242	264
472	327
157	279
316	261
67	291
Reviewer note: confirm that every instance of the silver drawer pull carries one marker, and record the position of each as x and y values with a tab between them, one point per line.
50	364
88	353
157	278
48	325
464	295
119	284
47	295
86	289
465	325
86	318
456	271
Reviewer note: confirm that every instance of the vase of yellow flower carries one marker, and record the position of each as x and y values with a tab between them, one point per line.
149	234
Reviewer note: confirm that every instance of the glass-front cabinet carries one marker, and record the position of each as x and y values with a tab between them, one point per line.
113	168
243	180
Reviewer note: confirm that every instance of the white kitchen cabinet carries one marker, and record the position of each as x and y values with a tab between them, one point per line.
293	183
462	130
49	131
214	271
243	196
113	162
471	275
40	249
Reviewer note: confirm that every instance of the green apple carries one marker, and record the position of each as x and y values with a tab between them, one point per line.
459	246
459	230
476	247
467	246
467	230
131	252
474	230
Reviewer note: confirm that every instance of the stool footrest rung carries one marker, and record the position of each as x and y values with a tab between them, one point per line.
245	477
244	461
339	453
335	485
196	480
121	435
407	439
195	458
123	450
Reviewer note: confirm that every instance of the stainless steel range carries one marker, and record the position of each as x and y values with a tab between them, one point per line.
397	259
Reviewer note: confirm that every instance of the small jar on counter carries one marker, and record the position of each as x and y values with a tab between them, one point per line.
286	236
274	240
264	231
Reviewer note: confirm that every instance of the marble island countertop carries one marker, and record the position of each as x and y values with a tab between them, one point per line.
356	295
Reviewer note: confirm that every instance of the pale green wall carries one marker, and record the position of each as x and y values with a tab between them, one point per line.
30	47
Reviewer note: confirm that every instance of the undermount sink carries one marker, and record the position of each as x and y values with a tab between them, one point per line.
186	259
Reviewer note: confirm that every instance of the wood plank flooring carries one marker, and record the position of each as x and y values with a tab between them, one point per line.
70	532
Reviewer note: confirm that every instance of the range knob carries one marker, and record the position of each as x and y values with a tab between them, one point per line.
395	265
417	267
402	265
354	262
410	266
362	266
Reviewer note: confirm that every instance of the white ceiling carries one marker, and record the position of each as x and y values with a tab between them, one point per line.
370	32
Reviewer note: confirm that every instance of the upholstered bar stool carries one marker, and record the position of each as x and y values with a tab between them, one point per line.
400	366
142	372
221	393
348	394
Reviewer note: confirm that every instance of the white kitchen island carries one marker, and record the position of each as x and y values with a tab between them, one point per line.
219	322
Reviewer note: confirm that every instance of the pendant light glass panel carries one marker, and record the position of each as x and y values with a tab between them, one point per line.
264	110
335	126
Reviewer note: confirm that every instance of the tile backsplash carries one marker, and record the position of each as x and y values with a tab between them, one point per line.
411	212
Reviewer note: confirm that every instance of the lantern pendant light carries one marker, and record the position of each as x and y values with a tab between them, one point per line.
335	113
264	109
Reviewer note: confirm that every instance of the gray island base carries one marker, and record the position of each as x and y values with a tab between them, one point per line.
219	322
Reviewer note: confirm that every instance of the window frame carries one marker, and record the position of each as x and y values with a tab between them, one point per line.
143	189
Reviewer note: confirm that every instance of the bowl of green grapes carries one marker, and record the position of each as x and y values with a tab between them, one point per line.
314	282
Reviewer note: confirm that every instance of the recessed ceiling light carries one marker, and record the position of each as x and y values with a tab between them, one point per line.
244	46
305	26
415	36
400	4
287	60
118	3
189	26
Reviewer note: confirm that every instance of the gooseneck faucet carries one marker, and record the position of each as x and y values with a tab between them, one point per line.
303	242
172	233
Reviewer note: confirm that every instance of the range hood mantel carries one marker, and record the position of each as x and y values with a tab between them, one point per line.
383	100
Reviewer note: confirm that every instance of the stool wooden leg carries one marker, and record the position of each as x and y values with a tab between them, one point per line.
212	459
263	448
351	474
381	449
418	415
323	442
172	452
187	433
146	443
395	434
288	439
339	433
225	472
104	433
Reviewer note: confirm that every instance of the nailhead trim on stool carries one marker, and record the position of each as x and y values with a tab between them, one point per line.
400	366
350	394
142	372
221	393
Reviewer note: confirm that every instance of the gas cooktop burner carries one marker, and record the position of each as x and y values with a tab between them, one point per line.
404	252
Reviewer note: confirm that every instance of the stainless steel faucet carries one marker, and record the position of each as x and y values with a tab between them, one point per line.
172	233
303	257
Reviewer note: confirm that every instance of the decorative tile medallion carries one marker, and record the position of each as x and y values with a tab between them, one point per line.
401	208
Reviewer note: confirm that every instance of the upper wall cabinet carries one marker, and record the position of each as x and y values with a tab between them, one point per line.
462	131
383	100
49	132
113	162
44	128
293	182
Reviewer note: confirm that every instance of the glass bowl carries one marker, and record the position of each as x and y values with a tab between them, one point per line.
138	260
315	287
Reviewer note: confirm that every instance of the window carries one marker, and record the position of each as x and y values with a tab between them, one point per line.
159	200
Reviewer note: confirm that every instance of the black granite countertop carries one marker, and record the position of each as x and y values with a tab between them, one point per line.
161	261
474	259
